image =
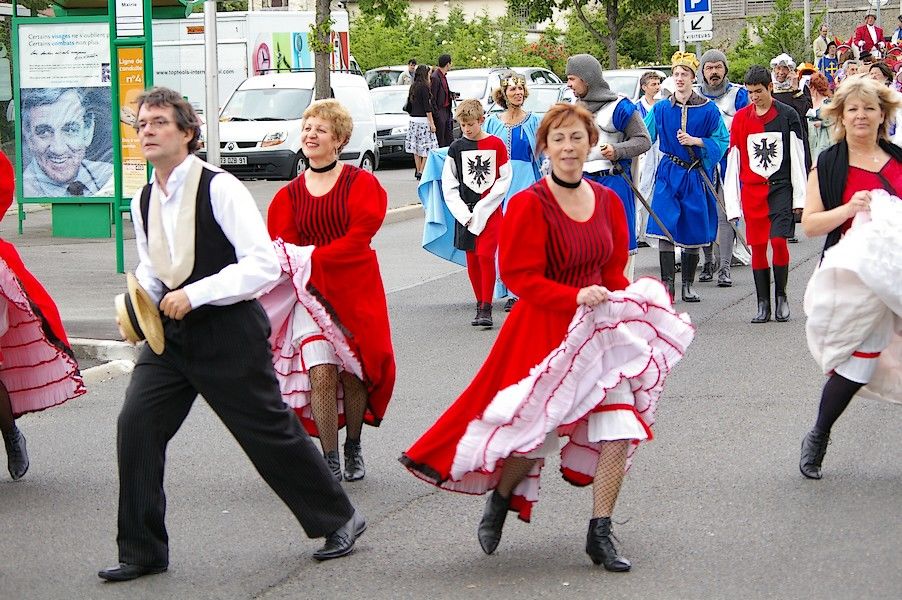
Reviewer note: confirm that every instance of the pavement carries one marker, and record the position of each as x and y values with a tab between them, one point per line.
714	507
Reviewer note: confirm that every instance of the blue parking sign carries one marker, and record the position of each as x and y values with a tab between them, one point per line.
693	6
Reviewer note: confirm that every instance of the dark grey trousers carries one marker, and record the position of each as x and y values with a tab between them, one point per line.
223	354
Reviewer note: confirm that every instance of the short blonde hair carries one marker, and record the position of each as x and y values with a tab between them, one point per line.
337	115
865	89
469	110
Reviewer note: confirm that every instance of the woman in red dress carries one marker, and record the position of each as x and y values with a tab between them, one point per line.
839	187
37	367
575	358
336	209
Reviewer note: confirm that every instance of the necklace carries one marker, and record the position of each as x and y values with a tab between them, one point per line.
571	185
328	167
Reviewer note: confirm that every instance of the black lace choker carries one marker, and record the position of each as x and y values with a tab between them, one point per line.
328	167
565	184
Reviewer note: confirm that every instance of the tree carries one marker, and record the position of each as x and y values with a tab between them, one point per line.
320	43
604	20
393	11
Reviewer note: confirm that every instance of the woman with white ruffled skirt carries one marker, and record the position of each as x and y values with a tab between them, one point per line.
579	358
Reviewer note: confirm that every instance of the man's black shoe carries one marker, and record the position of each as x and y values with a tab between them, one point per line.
341	541
127	572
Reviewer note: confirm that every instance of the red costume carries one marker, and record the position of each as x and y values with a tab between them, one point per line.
38	367
863	39
545	258
345	271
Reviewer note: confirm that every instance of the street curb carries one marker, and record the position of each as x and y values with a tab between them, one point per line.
103	350
405	213
107	371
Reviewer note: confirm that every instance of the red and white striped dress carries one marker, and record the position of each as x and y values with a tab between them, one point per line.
549	349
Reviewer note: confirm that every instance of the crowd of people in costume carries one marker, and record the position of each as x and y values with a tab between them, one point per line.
544	213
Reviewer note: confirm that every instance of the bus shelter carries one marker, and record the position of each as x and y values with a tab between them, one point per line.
76	78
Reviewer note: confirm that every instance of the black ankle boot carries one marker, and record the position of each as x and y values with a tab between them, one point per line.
667	259
478	316
354	469
690	263
707	273
723	277
601	549
334	462
814	447
762	289
484	317
16	453
489	532
781	303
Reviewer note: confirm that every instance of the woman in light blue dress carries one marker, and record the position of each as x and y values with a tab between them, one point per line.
517	129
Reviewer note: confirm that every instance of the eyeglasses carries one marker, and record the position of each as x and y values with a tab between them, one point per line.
153	123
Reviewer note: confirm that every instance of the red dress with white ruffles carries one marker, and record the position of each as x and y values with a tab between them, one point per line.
37	366
553	361
344	273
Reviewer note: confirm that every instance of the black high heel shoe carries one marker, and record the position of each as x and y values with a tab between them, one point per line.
601	549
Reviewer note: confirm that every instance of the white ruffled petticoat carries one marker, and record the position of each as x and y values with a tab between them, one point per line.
854	302
303	333
602	383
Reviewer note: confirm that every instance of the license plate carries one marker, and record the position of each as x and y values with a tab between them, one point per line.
233	160
379	143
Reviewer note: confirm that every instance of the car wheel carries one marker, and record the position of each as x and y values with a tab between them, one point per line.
368	163
300	165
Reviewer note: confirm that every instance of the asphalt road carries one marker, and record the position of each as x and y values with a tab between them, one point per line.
714	507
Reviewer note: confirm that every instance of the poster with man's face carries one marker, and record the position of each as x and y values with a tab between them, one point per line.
65	110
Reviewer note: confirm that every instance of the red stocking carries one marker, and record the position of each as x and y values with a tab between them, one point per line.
759	256
781	251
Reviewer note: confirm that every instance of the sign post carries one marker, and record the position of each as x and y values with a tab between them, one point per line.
697	22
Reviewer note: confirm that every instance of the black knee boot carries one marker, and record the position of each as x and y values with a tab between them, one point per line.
601	549
690	263
667	259
489	532
781	303
16	453
762	288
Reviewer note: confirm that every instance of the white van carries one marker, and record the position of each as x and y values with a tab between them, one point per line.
260	125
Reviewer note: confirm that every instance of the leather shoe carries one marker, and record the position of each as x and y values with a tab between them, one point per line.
127	572
341	541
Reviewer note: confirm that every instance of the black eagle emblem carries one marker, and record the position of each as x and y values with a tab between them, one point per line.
478	169
765	153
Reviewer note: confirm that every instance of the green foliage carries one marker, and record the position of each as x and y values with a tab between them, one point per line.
393	11
781	31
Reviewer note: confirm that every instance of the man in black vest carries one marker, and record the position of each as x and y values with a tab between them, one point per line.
204	255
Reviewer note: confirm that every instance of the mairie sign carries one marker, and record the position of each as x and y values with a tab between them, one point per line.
694	6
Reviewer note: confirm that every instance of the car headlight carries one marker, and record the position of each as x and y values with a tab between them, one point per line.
399	130
274	139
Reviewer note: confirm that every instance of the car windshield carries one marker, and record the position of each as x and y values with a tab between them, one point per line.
468	87
389	102
541	99
376	79
271	104
623	84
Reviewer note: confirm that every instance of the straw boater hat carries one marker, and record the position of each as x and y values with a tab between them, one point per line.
139	316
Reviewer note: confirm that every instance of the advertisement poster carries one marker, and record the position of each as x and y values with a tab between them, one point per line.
131	84
66	121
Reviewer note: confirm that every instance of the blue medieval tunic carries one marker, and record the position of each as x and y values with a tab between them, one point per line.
623	112
520	140
681	199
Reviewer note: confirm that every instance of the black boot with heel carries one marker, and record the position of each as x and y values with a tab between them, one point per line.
667	258
690	263
601	549
16	453
489	532
781	302
354	469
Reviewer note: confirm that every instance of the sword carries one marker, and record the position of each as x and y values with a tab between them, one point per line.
644	202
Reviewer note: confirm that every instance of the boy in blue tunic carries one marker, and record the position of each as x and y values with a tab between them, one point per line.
693	139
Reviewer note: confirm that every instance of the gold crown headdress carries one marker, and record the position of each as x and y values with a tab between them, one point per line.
684	59
513	80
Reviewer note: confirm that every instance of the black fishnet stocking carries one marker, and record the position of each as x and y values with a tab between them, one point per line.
355	398
324	404
608	477
514	470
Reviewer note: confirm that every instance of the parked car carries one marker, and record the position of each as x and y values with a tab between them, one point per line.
541	97
260	125
480	83
382	76
391	121
626	81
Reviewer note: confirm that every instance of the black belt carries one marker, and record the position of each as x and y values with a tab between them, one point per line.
605	173
682	163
